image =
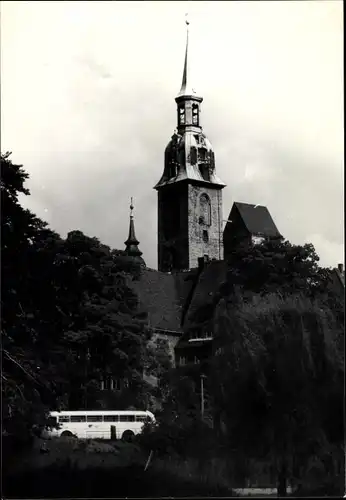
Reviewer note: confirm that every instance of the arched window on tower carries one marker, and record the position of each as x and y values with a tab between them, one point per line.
181	118
205	210
195	114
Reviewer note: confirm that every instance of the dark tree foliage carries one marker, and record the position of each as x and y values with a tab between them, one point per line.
106	335
70	320
27	385
277	371
276	265
277	379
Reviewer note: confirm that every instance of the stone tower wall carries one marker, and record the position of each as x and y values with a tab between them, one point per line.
197	246
180	229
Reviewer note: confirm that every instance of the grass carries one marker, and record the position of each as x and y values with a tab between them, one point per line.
113	469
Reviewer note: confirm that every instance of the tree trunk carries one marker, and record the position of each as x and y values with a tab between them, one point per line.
282	480
217	422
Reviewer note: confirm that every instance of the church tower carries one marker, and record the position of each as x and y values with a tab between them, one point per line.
189	192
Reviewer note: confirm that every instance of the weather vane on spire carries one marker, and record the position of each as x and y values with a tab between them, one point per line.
187	22
131	207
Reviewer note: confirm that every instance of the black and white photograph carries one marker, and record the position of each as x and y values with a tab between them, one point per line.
172	249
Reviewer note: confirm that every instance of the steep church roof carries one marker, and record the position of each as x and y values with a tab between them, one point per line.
164	297
206	288
256	219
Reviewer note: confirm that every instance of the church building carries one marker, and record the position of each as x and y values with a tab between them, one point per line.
192	238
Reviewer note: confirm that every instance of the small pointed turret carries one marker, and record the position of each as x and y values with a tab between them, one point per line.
132	243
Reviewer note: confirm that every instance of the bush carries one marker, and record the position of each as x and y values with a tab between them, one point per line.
177	438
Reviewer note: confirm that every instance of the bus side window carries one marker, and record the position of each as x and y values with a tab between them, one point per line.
142	418
94	418
111	418
64	418
127	418
78	418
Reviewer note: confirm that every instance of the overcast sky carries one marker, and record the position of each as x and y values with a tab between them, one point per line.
87	106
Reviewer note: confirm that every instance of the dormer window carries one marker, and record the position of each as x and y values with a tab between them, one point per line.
182	116
195	113
202	154
204	170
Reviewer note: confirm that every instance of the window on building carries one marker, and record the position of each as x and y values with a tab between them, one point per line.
196	360
204	171
110	384
205	236
114	384
205	209
202	154
195	114
182	361
182	115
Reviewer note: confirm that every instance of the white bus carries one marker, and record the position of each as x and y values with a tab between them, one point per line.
97	424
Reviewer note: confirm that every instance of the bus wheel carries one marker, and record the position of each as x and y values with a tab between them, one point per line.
67	433
128	436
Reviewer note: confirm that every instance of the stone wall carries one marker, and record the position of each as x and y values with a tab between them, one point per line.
198	246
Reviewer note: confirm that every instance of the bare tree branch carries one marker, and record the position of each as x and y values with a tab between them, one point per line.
20	366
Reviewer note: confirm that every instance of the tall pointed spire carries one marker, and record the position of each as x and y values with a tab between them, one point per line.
132	243
186	89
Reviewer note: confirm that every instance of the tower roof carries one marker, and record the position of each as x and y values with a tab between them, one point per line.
132	243
186	89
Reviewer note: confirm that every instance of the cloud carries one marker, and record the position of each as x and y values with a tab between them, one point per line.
88	107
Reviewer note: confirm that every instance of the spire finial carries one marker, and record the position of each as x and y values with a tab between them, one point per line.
187	22
131	208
